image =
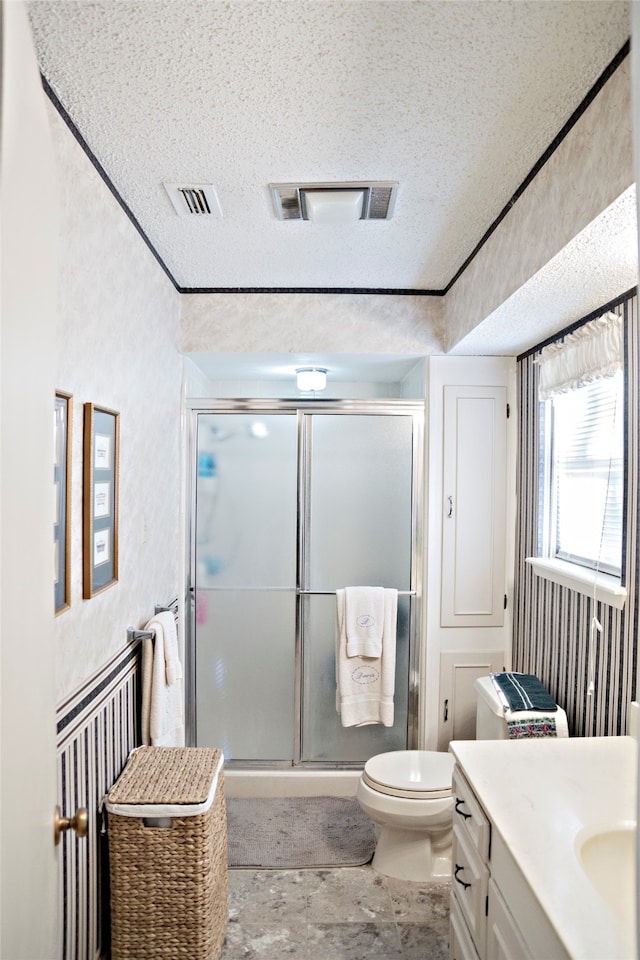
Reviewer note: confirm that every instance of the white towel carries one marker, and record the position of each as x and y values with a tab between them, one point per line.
162	697
365	685
364	620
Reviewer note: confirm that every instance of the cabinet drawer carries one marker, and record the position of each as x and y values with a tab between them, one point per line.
470	881
468	814
460	943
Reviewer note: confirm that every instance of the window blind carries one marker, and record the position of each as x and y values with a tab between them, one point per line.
587	474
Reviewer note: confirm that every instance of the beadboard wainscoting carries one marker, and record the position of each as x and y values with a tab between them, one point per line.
552	622
97	727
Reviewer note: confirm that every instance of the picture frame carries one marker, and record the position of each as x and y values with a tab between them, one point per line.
100	499
62	434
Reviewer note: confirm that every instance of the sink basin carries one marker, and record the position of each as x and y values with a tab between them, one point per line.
608	857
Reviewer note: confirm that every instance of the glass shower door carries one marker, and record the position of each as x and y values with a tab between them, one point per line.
245	584
358	531
290	506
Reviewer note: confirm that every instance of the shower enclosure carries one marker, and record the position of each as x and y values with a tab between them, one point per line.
290	501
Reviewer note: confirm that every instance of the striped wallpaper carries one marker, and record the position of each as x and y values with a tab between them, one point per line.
551	622
97	727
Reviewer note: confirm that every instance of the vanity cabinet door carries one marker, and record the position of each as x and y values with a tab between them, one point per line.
504	940
470	878
460	943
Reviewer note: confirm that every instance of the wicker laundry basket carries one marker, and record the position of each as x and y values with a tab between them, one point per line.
168	855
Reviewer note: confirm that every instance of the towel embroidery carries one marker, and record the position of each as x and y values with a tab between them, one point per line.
366	620
532	727
365	674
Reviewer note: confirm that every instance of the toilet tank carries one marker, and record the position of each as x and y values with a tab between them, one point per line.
490	723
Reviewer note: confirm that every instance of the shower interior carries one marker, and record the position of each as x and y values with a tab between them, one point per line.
291	500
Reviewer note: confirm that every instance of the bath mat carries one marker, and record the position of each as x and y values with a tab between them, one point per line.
298	832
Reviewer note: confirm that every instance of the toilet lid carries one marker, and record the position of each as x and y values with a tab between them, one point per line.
417	774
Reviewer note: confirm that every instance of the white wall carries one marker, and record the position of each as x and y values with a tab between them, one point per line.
316	323
117	347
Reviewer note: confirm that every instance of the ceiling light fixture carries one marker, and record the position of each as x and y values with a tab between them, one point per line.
334	202
311	378
333	206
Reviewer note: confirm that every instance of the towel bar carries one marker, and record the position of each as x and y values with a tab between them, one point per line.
331	593
133	634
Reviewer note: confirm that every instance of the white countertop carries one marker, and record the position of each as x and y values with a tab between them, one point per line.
540	794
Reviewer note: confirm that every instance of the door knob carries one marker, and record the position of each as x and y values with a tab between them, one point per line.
79	823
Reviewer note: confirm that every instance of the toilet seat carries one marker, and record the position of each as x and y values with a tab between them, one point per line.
414	774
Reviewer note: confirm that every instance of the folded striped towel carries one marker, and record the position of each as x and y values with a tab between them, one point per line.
522	691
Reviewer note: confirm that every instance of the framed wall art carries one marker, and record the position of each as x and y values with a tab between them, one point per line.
62	420
100	499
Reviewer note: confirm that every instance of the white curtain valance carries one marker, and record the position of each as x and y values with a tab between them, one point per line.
591	352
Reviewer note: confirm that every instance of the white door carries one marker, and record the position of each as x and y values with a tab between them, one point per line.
458	698
28	920
474	516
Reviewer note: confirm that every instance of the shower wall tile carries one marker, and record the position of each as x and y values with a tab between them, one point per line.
117	347
414	385
195	383
279	389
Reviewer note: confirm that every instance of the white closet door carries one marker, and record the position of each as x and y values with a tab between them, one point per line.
474	496
458	697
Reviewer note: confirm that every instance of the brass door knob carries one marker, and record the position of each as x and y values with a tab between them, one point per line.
79	823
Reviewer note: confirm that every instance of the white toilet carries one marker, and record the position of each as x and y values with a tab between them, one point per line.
407	794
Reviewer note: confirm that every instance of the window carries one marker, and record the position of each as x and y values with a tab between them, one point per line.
584	475
580	506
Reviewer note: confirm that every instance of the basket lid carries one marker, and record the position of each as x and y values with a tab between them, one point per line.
166	775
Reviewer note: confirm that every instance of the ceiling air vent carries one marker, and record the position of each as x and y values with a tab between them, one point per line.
378	199
194	200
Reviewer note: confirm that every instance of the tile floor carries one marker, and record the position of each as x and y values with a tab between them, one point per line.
351	913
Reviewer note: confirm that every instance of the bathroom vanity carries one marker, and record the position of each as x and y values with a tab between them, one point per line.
543	864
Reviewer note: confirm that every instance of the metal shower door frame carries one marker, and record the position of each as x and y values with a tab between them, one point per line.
304	409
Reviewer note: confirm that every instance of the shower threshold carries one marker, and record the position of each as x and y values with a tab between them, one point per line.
291	782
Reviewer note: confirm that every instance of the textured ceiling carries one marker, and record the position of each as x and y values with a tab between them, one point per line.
456	101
